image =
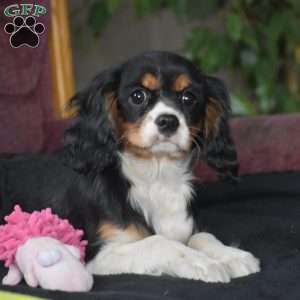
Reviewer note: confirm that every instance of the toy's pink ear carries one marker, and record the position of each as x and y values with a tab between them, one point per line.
13	277
74	251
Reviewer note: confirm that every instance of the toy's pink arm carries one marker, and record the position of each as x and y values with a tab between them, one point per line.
29	276
13	277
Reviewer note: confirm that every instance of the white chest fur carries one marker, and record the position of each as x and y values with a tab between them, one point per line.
161	191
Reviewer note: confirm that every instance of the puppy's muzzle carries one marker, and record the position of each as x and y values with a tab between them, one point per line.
167	124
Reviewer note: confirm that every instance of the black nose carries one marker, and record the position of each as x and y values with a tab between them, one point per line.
167	124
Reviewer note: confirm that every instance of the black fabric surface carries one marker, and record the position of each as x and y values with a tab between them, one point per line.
260	214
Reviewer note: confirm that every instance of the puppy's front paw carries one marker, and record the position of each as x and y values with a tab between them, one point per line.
194	265
240	263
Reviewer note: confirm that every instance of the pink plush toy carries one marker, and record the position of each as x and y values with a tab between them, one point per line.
45	249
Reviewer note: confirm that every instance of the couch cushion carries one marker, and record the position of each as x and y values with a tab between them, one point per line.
264	144
25	90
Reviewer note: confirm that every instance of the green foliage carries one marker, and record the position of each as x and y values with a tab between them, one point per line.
100	13
258	40
146	7
256	43
210	49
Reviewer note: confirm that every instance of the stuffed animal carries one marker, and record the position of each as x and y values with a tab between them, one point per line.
44	249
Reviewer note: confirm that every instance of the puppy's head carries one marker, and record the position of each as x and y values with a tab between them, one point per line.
156	104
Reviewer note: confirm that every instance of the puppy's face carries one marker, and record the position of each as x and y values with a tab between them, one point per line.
159	106
156	104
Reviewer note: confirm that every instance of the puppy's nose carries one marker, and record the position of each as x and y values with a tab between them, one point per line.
167	124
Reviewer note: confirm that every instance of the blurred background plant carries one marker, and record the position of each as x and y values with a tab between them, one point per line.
258	45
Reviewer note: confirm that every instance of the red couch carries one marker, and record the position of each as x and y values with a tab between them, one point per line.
264	144
27	119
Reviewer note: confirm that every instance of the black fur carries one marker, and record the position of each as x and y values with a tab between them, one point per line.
90	142
219	152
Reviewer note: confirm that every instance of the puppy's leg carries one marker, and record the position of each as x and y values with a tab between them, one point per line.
156	255
239	263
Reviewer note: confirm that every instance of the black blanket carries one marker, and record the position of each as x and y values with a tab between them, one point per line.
260	214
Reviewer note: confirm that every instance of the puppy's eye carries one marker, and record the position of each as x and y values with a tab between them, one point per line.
138	97
188	98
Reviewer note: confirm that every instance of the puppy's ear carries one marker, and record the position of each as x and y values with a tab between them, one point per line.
218	148
90	144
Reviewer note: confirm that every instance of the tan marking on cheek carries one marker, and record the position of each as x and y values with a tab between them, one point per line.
133	144
132	139
125	131
128	133
181	83
131	133
150	81
112	232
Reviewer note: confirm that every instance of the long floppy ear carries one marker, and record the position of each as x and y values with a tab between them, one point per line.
218	148
90	144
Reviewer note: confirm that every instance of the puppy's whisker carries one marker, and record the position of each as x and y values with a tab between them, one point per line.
197	147
197	129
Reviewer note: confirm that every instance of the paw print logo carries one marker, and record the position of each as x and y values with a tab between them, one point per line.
24	32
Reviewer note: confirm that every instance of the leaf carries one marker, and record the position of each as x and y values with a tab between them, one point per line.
113	5
146	7
98	16
248	57
295	5
234	26
196	9
179	7
242	106
250	37
212	50
266	95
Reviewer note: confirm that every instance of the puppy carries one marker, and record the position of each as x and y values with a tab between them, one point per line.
125	175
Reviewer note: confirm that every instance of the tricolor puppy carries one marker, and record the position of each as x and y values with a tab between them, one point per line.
125	174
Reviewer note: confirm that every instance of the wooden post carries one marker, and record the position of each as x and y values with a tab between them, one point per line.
61	57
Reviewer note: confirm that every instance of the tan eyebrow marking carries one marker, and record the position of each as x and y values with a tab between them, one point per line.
150	81
181	82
